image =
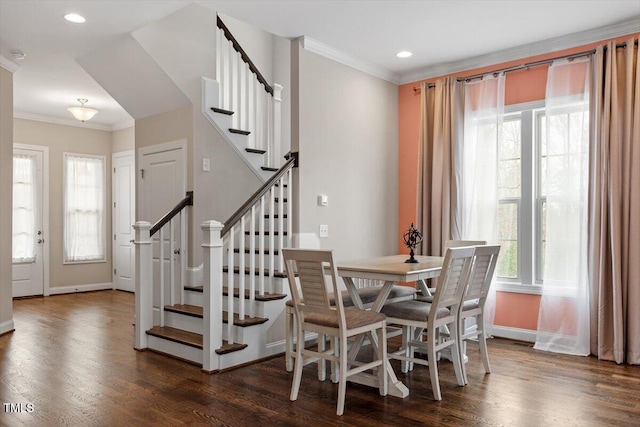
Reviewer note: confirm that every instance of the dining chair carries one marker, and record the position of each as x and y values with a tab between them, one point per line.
367	290
311	295
430	317
453	244
474	299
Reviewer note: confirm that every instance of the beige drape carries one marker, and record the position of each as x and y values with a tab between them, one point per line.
614	205
441	120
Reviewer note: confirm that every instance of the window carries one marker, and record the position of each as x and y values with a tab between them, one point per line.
84	208
24	208
523	158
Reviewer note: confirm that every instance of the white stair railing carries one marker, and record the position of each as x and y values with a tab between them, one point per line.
255	104
169	282
263	258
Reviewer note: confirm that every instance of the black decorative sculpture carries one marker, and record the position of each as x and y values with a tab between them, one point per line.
411	239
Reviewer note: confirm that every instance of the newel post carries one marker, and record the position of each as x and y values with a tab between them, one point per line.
276	150
212	293
144	283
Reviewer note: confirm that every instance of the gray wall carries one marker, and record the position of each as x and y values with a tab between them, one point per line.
347	136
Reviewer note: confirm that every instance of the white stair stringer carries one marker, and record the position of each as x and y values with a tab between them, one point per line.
222	123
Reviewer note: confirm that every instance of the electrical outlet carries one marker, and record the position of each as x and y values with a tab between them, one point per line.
324	230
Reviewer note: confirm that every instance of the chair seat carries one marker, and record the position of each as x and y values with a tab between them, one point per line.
369	294
354	317
412	310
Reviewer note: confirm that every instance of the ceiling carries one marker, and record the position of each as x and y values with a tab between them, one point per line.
49	80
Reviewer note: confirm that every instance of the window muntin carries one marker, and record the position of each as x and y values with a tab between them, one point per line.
84	208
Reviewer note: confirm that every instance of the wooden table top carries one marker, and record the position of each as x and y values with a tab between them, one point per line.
392	267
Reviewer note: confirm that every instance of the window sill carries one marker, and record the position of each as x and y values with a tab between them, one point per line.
519	288
88	261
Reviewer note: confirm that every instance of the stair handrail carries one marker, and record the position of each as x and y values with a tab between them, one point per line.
244	56
187	201
242	210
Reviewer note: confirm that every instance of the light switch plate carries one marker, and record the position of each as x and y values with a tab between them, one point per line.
206	165
324	230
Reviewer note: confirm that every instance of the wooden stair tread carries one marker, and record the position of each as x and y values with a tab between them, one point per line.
248	321
278	199
247	270
256	252
236	292
191	339
230	348
186	309
266	216
177	335
266	168
195	311
255	151
266	233
222	111
240	132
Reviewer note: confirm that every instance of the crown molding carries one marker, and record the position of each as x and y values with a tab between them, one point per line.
60	121
349	60
524	51
123	125
8	65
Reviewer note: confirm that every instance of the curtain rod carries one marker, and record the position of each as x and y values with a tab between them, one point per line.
525	65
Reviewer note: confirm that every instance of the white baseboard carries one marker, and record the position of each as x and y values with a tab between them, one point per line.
80	288
7	326
514	333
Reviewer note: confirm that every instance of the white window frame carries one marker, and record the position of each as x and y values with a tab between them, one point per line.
528	217
65	155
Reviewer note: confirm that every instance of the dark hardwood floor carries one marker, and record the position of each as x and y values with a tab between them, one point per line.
71	357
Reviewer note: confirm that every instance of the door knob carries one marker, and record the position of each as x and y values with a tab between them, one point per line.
177	251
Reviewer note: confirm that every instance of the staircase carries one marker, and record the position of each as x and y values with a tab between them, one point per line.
223	321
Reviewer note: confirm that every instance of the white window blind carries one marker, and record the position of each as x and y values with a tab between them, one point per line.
24	206
84	208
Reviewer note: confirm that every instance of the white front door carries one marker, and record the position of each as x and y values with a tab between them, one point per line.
163	185
123	194
28	230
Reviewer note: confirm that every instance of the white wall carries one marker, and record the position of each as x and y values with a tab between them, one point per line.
347	137
60	139
6	197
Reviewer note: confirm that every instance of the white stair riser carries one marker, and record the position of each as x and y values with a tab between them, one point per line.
176	349
184	322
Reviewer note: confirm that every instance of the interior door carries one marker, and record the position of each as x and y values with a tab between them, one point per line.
28	233
123	195
163	186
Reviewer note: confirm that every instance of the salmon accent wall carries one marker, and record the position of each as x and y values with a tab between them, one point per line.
512	309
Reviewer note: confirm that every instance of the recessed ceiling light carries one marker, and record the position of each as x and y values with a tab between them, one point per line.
404	54
75	18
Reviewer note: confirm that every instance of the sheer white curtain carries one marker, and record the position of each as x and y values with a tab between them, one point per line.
24	209
84	227
477	166
563	322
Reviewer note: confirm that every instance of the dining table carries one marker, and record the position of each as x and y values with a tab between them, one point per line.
390	270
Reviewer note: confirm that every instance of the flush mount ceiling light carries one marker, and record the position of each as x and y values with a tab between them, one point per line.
82	113
75	18
404	54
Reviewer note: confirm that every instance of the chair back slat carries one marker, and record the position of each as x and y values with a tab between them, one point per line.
484	265
311	291
453	278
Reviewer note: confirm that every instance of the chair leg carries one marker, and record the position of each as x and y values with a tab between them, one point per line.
335	375
433	365
289	338
322	366
342	383
406	332
456	355
382	356
461	349
297	371
482	341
